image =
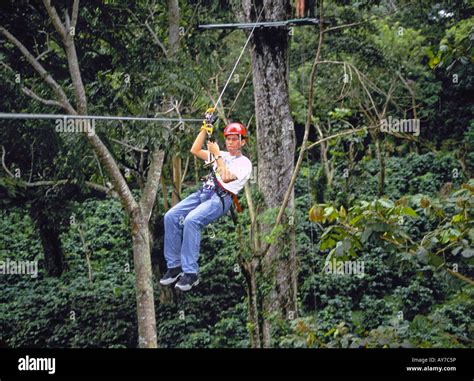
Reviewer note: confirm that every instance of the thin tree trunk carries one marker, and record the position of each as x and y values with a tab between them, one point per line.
176	194
164	191
49	235
255	328
381	159
143	281
139	214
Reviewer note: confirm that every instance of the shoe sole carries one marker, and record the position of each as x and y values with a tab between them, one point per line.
187	287
167	282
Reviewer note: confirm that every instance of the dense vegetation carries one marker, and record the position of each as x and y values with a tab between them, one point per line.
400	204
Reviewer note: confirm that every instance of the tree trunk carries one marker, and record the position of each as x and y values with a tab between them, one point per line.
49	235
255	328
173	21
143	281
328	168
380	157
176	194
275	149
139	213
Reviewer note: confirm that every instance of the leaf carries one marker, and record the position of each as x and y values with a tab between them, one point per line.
433	62
424	203
443	48
327	244
467	253
434	260
342	212
339	249
329	211
454	233
356	219
422	255
346	244
386	203
381	227
316	214
366	234
407	211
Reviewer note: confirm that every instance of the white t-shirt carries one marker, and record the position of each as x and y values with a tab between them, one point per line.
240	166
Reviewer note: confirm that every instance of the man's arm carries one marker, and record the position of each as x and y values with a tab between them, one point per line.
226	175
197	150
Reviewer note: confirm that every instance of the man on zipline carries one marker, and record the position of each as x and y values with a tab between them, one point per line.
184	221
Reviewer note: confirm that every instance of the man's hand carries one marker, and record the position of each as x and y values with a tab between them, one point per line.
213	148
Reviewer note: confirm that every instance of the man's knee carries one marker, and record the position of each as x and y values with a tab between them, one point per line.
192	220
170	215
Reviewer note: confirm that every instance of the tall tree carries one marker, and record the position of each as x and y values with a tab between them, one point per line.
275	151
139	212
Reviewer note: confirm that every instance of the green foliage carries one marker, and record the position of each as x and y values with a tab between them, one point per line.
412	242
448	326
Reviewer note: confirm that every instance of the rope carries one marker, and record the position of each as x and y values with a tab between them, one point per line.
237	62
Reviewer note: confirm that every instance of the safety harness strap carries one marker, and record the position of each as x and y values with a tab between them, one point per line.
220	189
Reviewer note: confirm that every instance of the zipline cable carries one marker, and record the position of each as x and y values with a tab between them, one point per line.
96	117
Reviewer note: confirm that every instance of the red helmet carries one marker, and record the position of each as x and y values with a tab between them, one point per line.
235	129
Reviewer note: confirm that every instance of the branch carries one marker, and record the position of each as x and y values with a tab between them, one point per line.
3	163
154	36
153	180
349	132
156	39
185	169
460	276
32	159
411	91
90	184
191	24
129	146
57	23
29	92
63	100
101	188
48	102
365	21
43	54
75	12
120	185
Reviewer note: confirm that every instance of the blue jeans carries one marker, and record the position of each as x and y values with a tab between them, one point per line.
183	225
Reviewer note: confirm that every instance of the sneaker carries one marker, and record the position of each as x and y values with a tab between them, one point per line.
187	282
171	276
